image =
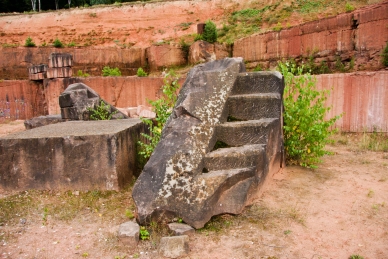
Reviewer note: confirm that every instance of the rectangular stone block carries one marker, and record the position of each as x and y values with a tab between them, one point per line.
37	69
75	155
60	60
59	72
37	76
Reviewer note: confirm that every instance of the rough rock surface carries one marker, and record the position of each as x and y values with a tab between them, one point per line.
180	229
77	155
129	233
174	247
77	100
172	182
201	51
164	55
42	121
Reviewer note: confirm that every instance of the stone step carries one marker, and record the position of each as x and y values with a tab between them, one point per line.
241	133
222	180
258	82
254	106
234	157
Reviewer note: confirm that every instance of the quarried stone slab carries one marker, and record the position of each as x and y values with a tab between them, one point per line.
255	106
37	69
263	82
59	72
42	121
81	155
60	60
37	76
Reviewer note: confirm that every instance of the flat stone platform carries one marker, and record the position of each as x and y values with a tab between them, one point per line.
73	155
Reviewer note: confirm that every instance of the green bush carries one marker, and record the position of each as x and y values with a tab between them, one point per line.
80	73
29	43
198	37
163	108
140	72
349	7
210	32
57	43
385	55
108	71
306	132
101	112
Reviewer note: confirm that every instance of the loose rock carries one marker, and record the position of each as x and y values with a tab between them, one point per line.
129	233
174	247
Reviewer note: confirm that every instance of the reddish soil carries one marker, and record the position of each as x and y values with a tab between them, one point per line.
139	24
335	211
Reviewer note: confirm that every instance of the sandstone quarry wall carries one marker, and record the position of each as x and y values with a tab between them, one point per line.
361	35
128	91
15	61
362	97
21	99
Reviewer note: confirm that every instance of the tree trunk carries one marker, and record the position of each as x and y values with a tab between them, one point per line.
33	4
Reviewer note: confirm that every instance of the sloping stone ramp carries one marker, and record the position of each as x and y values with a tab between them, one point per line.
221	142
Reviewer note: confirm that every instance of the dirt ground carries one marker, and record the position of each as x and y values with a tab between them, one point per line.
335	211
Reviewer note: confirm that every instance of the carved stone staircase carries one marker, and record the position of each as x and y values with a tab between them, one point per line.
251	138
223	140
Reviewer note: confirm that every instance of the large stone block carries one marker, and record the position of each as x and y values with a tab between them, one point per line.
163	56
60	60
42	121
37	69
77	101
78	155
59	72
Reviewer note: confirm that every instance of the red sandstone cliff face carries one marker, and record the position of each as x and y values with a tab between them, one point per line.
20	99
15	61
361	97
361	35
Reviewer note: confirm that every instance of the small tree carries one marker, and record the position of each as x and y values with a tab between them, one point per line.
210	32
385	56
163	109
306	132
29	43
108	71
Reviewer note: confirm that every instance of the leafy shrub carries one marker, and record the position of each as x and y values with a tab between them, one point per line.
163	108
385	56
29	43
210	32
278	27
349	7
57	43
306	132
185	48
101	112
198	37
108	71
144	234
140	72
72	44
80	73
